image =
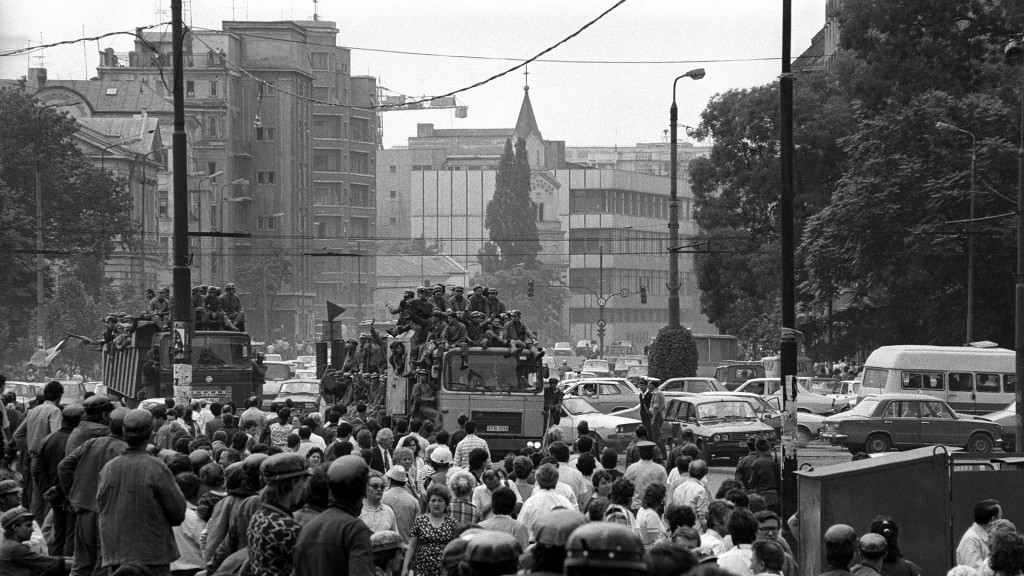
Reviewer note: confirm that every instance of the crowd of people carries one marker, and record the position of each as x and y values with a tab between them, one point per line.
96	488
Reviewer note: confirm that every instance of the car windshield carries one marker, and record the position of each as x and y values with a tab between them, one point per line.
211	352
278	372
726	410
491	372
576	406
596	365
865	407
826	386
300	388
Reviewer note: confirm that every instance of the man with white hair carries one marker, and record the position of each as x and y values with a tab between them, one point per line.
381	461
544	499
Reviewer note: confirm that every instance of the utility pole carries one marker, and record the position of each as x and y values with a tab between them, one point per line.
788	345
182	315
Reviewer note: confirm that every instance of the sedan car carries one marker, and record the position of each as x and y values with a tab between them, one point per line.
1007	418
720	424
695	385
882	422
598	366
613	431
845	390
606	394
806	401
304	394
769	411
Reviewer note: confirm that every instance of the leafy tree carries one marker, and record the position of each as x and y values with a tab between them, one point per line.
82	208
264	278
543	313
673	354
511	215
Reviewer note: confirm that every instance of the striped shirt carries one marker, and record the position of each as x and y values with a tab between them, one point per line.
466	445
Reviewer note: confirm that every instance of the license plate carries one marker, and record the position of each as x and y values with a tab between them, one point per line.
497	428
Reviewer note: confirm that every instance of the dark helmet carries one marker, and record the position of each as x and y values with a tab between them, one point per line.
604	546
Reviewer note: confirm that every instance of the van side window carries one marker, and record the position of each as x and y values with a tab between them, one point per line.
961	382
923	381
1009	381
988	382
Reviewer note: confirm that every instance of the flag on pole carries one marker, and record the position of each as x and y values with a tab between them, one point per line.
42	358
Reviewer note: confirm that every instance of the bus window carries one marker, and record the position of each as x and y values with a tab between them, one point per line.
875	378
923	381
961	382
988	382
1009	381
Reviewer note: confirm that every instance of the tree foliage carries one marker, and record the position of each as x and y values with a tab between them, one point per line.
673	354
511	218
82	208
264	279
543	313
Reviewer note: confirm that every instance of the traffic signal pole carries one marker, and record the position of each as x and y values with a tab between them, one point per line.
181	312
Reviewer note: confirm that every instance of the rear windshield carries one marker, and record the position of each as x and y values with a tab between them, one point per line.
875	378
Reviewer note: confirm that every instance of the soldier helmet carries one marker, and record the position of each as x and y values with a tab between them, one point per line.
165	290
457	289
604	545
229	286
408	293
440	287
196	289
492	290
110	318
203	287
422	290
516	313
451	312
476	314
477	287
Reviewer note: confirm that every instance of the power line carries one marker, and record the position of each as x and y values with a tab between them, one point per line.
30	49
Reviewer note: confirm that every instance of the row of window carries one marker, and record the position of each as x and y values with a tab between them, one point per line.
213	88
335	194
625	202
617	241
656	281
334	127
616	315
958	381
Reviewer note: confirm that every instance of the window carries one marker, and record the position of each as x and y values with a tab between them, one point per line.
318	60
609	389
361	129
394	194
190	88
393	220
325	126
322	94
360	227
1009	383
393	168
211	167
935	410
361	195
923	381
328	193
327	160
163	202
359	162
212	127
961	382
213	88
321	229
540	212
264	134
988	382
266	177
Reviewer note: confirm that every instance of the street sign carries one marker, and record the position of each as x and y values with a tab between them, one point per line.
624	292
601	323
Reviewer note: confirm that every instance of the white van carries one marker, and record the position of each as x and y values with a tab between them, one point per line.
971	380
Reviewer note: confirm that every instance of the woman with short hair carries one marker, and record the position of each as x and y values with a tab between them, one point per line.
431	532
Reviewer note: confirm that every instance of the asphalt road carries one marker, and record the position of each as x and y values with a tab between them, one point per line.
817	454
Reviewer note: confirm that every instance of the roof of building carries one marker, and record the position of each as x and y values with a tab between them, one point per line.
814	57
527	122
115	96
126	129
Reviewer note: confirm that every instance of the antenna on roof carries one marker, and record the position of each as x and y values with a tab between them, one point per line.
316	13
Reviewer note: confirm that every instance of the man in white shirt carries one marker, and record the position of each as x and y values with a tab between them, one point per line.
544	499
645	472
567	474
718	521
973	548
693	493
743	530
376	515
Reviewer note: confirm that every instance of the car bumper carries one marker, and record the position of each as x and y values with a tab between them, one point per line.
834	438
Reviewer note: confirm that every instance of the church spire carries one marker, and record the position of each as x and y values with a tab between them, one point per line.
527	123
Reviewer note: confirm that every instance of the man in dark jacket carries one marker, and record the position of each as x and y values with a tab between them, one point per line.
44	470
454	335
336	541
477	301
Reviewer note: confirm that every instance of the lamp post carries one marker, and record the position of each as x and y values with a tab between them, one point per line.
967	228
199	214
1014	54
222	222
673	204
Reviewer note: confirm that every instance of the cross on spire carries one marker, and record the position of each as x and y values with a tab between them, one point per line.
526	77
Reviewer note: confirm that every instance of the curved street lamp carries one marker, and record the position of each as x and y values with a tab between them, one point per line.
970	237
673	203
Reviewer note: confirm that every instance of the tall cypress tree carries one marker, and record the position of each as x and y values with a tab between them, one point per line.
511	219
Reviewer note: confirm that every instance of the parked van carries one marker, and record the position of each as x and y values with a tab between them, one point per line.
971	380
734	373
773	366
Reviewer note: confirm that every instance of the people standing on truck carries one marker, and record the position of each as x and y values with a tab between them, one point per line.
495	307
553	397
438	300
519	337
231	307
477	301
454	335
457	302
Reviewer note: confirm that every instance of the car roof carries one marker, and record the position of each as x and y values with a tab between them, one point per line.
707	398
690	379
904	396
275	363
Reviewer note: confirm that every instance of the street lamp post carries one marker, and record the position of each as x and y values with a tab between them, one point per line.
199	213
1014	54
673	204
222	222
967	228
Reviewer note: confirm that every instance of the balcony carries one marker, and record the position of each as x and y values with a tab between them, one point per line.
338	210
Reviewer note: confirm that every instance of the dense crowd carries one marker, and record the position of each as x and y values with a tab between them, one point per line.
210	489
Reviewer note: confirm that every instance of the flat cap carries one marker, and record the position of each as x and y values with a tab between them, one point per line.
97	404
874	544
117	417
554	528
386	540
13	515
73	413
492	547
8	486
645	444
841	538
138	423
284	466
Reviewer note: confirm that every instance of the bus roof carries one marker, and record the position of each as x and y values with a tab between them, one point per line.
941	357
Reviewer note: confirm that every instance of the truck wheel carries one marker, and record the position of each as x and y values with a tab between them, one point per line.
878	443
803	437
980	443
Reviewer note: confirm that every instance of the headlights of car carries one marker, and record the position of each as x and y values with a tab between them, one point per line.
532	444
720	438
770	435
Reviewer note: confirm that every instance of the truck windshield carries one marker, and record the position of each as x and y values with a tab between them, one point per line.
224	352
491	373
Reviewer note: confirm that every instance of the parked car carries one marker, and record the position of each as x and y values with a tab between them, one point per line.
561	349
720	424
304	394
614	431
24	392
598	366
583	348
273	358
769	410
883	422
732	374
1007	418
305	374
606	394
832	388
806	401
635	373
692	384
278	371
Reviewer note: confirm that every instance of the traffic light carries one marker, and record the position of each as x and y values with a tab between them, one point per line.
643	294
529	288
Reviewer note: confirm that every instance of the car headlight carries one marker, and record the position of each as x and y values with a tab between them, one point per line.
619	429
716	438
725	437
770	435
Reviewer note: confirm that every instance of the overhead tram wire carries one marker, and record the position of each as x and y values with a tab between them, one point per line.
30	49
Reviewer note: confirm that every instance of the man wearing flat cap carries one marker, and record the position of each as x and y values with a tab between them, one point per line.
44	471
841	545
132	487
16	557
272	531
95	423
872	553
336	541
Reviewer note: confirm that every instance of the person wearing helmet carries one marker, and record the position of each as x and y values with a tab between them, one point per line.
477	301
457	302
519	337
603	548
134	486
438	300
336	541
272	532
455	335
231	307
478	331
495	306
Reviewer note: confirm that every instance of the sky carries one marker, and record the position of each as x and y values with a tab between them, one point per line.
737	42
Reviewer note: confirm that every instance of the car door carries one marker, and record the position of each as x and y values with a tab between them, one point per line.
938	425
903	422
961	395
613	396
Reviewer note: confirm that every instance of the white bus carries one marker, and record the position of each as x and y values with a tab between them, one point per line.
971	380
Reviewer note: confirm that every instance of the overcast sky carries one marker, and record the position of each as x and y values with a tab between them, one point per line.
738	42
